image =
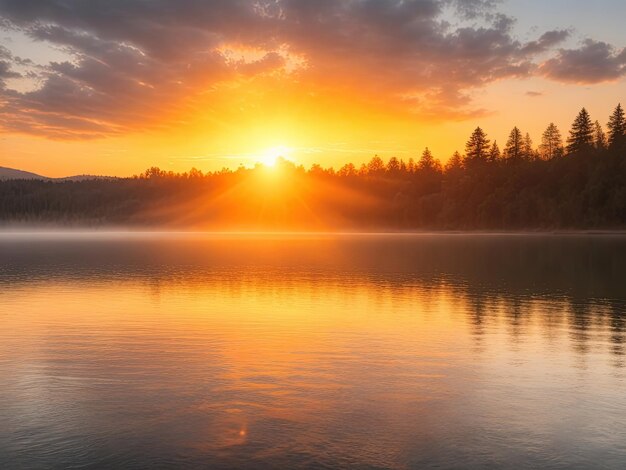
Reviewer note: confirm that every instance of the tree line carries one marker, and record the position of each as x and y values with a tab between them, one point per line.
576	183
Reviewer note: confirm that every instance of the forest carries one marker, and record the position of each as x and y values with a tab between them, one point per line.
576	184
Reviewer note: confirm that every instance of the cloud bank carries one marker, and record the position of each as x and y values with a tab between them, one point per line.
131	62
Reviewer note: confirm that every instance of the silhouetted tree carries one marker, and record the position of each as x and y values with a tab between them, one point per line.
551	143
455	162
514	146
617	128
427	162
195	173
316	169
154	172
599	137
477	147
494	153
411	166
393	166
376	165
527	147
581	135
580	192
347	170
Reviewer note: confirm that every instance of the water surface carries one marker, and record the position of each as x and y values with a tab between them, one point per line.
312	351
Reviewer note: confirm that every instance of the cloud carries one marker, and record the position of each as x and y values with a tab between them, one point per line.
547	40
5	54
471	9
593	62
6	71
534	94
132	64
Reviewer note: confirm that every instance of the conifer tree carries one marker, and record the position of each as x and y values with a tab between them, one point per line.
581	134
477	147
411	166
455	162
599	137
347	170
393	166
514	146
617	128
551	143
427	162
376	165
494	153
527	147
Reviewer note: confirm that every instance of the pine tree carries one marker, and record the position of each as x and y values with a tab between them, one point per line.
477	147
551	143
617	128
347	170
527	147
376	165
599	137
494	153
427	162
393	166
514	146
581	134
411	166
455	162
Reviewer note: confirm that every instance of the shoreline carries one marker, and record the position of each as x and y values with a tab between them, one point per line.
125	231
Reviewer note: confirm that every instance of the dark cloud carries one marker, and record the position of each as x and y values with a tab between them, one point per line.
546	41
594	62
132	61
6	71
5	54
472	9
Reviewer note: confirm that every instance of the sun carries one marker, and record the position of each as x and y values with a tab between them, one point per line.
272	155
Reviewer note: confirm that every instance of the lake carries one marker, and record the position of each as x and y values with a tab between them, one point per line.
131	350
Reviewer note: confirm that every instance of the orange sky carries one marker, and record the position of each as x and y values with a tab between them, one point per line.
212	85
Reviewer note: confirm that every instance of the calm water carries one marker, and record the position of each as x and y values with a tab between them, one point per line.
198	351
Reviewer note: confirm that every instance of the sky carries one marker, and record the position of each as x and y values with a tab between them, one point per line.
116	86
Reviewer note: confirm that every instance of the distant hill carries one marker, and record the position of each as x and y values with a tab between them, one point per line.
13	174
84	178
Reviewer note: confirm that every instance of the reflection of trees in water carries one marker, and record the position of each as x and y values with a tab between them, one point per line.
509	282
515	312
617	324
477	313
588	324
580	324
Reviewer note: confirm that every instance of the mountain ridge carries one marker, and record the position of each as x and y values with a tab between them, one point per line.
7	174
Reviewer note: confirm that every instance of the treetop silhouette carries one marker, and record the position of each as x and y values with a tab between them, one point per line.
581	186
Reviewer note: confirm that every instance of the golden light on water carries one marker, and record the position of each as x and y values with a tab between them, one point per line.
232	348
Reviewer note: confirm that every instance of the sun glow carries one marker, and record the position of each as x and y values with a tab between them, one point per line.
272	155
